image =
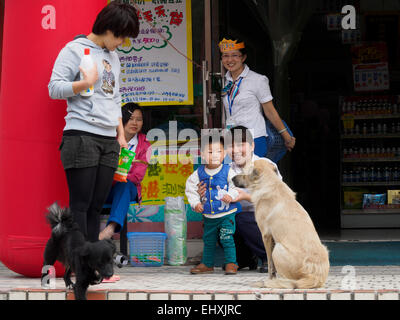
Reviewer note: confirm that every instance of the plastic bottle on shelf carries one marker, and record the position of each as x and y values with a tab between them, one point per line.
350	176
395	174
345	153
357	177
394	109
364	175
378	174
357	129
384	128
350	152
344	176
398	127
373	152
356	152
378	128
372	175
344	107
371	128
378	153
368	152
387	174
361	152
393	152
369	107
393	128
364	129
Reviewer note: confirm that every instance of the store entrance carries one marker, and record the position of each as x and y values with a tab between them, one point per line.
311	169
320	74
325	75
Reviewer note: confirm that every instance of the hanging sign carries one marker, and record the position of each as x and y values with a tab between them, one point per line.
152	71
370	67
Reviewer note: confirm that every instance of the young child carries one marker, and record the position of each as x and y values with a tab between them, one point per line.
216	206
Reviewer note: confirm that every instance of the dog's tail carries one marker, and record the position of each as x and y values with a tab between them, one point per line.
314	271
58	218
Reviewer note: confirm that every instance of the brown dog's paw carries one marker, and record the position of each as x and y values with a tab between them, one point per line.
258	284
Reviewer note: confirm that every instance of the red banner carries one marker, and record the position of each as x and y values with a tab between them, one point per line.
31	124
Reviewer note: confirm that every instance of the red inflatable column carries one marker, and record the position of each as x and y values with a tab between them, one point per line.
31	123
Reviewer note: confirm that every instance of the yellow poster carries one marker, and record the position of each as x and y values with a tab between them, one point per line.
164	179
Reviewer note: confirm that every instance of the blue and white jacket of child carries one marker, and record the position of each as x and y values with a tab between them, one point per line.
218	183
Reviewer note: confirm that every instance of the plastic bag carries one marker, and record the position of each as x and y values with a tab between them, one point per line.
176	229
276	148
124	165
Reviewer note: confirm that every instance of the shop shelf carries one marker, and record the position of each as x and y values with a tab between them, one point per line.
371	136
371	159
377	116
370	211
371	184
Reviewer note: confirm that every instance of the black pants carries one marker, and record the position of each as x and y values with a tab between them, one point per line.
89	162
247	231
88	191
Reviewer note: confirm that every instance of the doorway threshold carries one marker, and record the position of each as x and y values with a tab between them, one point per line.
363	235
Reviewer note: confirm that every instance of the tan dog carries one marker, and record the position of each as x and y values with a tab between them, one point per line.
293	247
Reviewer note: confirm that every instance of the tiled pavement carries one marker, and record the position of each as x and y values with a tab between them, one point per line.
176	283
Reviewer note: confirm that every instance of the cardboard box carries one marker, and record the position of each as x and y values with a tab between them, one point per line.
393	196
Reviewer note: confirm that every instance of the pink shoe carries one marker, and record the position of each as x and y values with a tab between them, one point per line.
113	279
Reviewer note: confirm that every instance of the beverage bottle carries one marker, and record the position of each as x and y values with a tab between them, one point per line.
355	153
372	129
378	174
357	176
364	129
384	128
351	176
344	176
87	64
364	175
379	128
395	174
373	152
344	108
372	176
387	174
350	153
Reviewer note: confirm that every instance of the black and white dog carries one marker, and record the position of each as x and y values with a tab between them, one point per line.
90	261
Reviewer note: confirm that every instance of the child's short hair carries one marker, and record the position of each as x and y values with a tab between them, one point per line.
240	134
120	18
210	138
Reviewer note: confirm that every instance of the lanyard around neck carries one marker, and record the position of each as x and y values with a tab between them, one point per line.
233	93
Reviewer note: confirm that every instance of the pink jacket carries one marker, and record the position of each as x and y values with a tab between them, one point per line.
138	170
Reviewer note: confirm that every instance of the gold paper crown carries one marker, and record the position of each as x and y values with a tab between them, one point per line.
229	45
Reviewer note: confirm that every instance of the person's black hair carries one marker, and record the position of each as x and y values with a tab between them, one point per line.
241	134
230	37
212	138
119	18
127	111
